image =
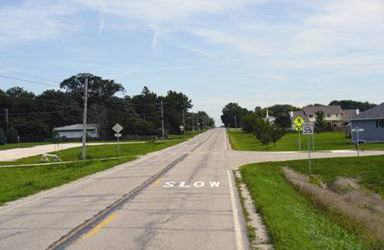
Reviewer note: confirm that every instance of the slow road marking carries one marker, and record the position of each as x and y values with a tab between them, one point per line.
196	184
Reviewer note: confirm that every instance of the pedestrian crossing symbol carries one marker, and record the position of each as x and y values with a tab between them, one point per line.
299	121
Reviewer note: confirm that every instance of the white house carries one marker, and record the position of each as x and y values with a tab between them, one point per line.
75	131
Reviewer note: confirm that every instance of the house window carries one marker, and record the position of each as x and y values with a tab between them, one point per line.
329	115
310	116
337	115
380	123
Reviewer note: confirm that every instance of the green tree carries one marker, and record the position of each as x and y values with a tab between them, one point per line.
277	133
2	137
283	120
266	132
98	88
12	135
320	124
175	103
248	122
233	114
350	104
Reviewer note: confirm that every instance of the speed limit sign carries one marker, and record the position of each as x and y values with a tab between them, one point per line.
307	129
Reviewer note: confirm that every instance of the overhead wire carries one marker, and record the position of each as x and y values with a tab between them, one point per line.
29	81
26	74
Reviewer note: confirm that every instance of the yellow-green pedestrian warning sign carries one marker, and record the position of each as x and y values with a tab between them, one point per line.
299	121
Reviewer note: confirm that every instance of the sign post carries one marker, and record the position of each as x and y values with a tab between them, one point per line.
357	130
299	121
308	130
117	128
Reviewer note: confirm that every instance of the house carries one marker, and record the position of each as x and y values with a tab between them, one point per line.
372	124
75	132
335	116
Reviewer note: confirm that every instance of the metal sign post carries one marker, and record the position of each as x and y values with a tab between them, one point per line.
308	130
357	130
117	135
118	128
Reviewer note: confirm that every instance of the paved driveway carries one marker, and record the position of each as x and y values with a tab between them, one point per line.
18	153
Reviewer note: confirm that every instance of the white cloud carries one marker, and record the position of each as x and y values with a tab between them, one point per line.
157	11
35	20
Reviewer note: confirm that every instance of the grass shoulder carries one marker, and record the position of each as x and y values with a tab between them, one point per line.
294	220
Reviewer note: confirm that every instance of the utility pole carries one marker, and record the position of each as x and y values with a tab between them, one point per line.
84	139
6	120
162	120
235	121
184	121
193	123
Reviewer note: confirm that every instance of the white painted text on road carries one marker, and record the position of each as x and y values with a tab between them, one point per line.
196	184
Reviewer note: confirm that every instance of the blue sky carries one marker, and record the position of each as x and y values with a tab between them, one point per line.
254	52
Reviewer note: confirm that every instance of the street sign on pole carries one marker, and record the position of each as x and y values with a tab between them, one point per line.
357	130
308	131
181	128
118	128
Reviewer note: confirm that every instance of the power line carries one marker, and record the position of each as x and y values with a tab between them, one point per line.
39	113
30	81
25	74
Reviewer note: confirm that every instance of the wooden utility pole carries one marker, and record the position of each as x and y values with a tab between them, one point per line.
84	139
162	120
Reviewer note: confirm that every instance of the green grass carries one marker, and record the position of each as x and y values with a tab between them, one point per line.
323	141
368	171
291	219
17	182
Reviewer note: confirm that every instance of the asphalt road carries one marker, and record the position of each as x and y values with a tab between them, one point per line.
193	205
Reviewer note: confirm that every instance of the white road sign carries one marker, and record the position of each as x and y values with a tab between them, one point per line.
117	128
181	128
358	130
117	135
307	129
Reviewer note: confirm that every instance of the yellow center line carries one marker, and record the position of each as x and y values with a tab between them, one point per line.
99	226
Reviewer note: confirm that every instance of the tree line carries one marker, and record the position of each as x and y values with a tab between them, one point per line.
32	117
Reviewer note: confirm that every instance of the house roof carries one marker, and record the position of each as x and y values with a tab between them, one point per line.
76	127
373	113
349	113
300	113
311	110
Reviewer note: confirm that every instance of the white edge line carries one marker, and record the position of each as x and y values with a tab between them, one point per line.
236	214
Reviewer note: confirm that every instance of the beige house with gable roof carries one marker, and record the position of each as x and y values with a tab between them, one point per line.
335	116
